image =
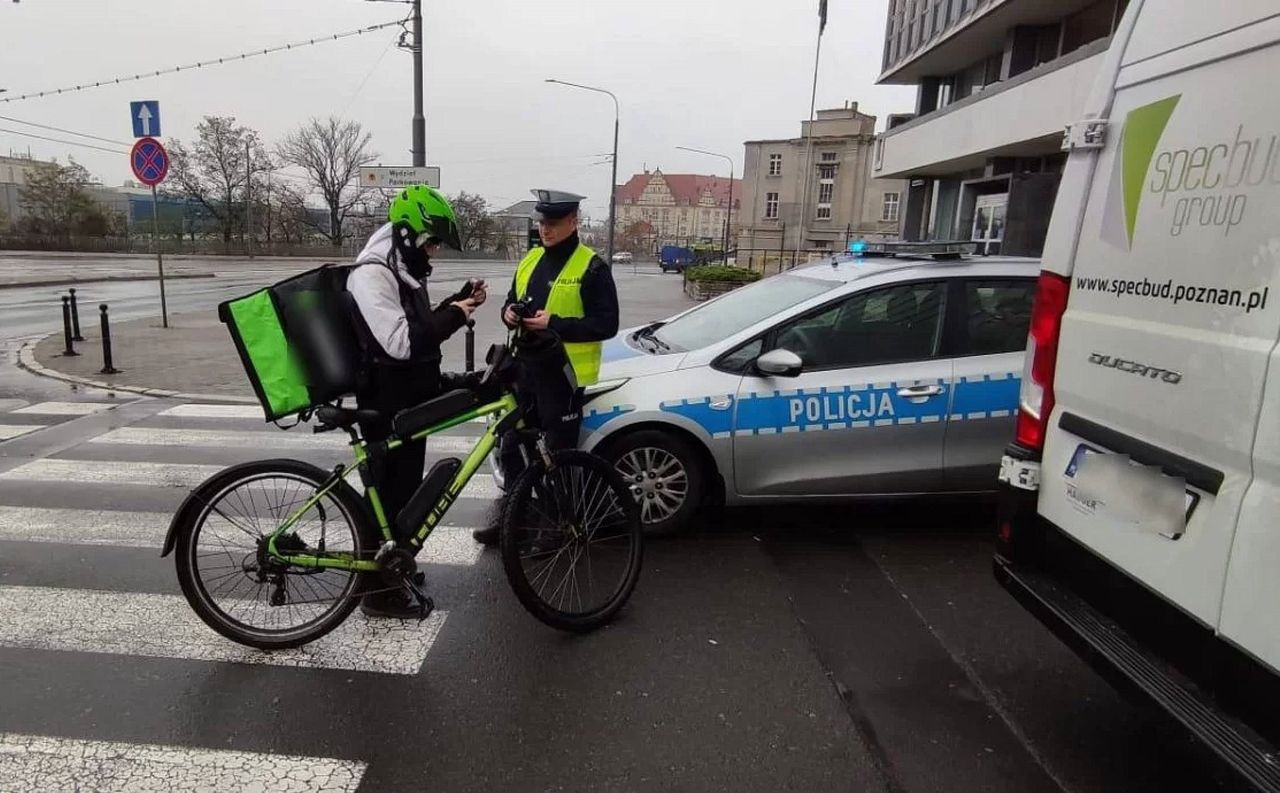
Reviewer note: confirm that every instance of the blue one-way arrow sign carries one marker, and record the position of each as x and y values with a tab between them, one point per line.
146	118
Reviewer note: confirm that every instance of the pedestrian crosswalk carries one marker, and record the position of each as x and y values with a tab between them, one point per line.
39	763
8	431
28	418
109	494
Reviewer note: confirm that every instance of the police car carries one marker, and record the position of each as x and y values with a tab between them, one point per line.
856	376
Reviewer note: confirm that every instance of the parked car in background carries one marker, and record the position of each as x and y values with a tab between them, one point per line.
849	378
622	257
675	258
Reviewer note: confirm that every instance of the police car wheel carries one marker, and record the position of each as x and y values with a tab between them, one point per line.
665	475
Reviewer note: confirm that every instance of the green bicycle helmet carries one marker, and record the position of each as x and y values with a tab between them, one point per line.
423	214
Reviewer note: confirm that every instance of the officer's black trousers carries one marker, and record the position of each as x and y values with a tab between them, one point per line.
558	411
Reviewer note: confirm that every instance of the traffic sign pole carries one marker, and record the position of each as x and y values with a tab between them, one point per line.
155	240
150	164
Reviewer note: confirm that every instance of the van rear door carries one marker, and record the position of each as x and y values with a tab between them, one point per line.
1174	308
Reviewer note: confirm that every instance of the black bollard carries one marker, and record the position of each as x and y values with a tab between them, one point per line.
68	350
471	345
107	367
75	318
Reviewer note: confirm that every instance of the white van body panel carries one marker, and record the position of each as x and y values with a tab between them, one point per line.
1174	267
1174	25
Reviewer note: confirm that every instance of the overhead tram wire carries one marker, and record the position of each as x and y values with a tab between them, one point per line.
5	98
64	142
64	131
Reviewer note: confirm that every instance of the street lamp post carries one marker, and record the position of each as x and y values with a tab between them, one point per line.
728	223
613	179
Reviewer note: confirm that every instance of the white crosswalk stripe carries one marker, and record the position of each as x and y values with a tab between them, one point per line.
37	762
300	439
111	473
447	544
200	411
164	626
184	475
8	431
195	410
66	408
83	618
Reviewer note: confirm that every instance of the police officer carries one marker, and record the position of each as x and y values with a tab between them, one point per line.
570	291
402	333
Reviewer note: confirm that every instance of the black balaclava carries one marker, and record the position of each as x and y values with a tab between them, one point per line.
415	260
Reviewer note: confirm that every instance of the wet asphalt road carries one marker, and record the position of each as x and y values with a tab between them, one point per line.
864	648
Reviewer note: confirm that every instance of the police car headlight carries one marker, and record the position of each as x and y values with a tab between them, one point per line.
604	387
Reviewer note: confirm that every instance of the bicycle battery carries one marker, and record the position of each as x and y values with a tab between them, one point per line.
414	514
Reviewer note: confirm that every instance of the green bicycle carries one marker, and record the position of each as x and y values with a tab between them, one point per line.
275	554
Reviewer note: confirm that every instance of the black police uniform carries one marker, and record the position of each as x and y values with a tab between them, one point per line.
558	402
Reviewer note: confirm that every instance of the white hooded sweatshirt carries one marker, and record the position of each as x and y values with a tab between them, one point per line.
373	286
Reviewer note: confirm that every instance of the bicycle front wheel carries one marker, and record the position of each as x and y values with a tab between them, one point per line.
572	541
232	582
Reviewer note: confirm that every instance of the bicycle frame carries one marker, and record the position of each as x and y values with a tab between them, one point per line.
500	408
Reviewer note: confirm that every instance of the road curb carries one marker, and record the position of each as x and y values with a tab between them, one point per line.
27	360
107	280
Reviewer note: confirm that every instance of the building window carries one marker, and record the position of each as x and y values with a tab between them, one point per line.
826	172
775	165
889	213
771	206
829	156
825	189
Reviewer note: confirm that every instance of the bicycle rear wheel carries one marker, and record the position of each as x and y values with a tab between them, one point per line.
236	587
572	541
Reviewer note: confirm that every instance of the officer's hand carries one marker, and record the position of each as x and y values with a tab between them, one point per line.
509	317
538	321
468	306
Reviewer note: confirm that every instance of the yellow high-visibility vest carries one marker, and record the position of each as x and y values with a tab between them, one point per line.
565	300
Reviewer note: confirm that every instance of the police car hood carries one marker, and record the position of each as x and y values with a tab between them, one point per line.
621	359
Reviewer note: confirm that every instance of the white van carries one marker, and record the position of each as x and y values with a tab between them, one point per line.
1140	503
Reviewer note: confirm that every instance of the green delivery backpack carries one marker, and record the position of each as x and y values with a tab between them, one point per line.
298	340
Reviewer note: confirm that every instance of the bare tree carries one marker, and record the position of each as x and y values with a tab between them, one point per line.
637	237
331	152
288	215
215	170
475	221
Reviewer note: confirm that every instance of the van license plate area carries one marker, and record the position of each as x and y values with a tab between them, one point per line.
1142	496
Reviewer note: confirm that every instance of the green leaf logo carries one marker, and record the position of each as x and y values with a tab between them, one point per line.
1142	130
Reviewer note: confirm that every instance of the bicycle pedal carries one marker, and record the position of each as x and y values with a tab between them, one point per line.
425	604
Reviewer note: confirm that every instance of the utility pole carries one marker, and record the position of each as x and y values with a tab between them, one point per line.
419	120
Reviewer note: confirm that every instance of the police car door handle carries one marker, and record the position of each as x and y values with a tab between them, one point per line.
917	391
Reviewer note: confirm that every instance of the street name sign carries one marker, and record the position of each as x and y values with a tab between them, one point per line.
380	176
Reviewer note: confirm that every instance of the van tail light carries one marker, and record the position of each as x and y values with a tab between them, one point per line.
1035	402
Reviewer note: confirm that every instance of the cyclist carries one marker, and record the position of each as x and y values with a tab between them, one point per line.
567	290
402	334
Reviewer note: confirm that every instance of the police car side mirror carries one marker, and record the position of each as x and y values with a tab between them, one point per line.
783	363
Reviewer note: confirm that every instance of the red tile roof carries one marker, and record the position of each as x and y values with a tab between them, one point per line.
684	187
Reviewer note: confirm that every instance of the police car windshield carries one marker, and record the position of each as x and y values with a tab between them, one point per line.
719	319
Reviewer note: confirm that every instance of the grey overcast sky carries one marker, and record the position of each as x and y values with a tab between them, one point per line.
702	73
